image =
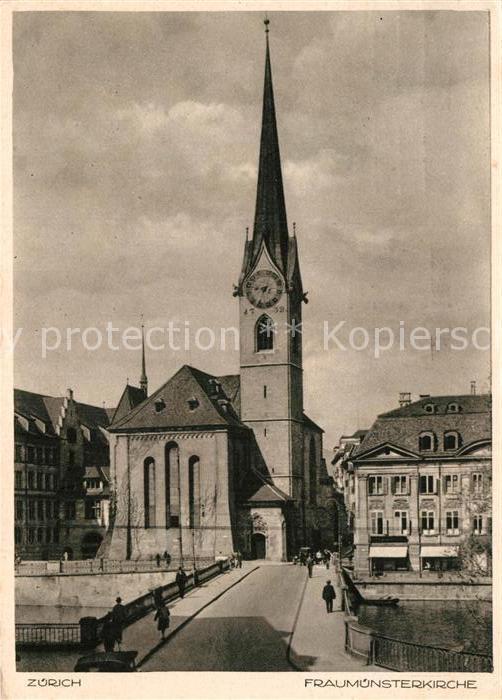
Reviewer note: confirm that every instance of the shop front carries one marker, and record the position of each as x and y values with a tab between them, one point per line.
439	558
384	558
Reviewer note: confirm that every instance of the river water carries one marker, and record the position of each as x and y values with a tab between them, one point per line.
462	625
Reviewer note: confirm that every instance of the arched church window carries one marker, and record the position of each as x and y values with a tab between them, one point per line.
172	484
194	491
312	472
264	332
149	491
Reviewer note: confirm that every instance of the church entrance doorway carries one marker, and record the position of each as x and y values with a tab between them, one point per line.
258	546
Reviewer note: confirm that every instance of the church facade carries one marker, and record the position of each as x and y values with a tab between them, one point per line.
208	465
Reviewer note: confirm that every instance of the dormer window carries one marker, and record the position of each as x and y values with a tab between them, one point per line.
453	408
193	403
426	442
429	408
160	405
451	440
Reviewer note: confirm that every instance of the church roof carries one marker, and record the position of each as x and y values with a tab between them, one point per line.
308	421
269	493
131	397
189	399
270	223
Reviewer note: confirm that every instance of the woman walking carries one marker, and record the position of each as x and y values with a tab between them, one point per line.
162	615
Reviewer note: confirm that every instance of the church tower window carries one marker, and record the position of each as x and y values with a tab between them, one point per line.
149	491
264	331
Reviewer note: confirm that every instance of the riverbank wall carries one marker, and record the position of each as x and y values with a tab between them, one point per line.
86	590
417	589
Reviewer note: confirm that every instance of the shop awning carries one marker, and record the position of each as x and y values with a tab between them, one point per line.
396	552
439	551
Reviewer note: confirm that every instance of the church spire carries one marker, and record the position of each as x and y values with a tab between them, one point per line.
270	223
143	382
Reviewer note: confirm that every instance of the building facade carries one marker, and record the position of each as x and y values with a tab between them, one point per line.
422	487
207	464
61	476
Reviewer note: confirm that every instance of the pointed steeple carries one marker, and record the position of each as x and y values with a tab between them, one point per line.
270	223
143	382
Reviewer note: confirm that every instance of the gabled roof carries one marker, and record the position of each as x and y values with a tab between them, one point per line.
131	397
402	426
269	493
102	473
189	399
48	410
310	423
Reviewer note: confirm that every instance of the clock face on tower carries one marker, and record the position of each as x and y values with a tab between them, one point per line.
264	288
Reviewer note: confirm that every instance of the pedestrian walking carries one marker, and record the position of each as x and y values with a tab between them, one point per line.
328	595
109	633
167	559
310	565
239	559
181	581
119	618
163	616
157	559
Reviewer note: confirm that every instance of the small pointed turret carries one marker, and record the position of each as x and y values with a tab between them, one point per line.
143	382
270	222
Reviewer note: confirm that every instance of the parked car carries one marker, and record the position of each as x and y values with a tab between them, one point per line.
107	662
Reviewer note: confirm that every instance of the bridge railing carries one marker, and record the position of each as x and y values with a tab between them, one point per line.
88	631
400	655
47	634
101	566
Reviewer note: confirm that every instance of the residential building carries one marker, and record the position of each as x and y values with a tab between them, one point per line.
61	477
422	485
344	485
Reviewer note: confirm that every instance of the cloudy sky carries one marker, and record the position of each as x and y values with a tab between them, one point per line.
135	149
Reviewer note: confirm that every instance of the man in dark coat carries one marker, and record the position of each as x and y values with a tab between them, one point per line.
119	619
328	595
310	565
181	581
109	633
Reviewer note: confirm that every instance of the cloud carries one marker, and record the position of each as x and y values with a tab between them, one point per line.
136	142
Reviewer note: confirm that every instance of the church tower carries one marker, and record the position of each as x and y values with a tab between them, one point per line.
270	297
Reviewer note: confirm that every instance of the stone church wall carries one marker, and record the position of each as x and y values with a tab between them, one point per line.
214	535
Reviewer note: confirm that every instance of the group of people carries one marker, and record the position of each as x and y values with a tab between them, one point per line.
116	619
236	560
309	560
166	557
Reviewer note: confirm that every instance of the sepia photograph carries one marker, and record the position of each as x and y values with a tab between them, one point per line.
251	343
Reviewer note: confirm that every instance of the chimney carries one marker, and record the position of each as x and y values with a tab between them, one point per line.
473	387
69	394
404	398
